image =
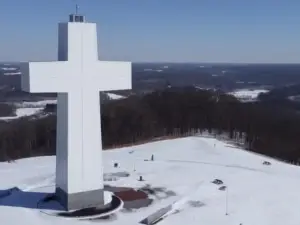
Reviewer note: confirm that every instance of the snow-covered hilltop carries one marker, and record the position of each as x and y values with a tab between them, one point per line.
247	94
193	176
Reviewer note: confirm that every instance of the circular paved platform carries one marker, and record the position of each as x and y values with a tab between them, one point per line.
112	205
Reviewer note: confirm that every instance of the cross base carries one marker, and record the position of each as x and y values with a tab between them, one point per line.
80	200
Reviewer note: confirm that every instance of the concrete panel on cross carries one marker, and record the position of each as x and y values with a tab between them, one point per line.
77	77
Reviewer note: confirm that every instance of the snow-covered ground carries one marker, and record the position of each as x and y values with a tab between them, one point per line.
10	70
33	108
22	112
247	94
256	193
113	96
294	98
204	88
42	103
12	73
154	70
29	108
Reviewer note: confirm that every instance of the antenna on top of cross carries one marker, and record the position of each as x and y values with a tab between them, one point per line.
76	17
76	9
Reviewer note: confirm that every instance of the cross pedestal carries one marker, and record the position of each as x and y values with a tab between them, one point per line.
77	77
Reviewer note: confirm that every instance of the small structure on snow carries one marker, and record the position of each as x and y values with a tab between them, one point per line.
266	163
223	188
217	181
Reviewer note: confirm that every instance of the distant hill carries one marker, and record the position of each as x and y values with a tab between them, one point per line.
282	92
148	77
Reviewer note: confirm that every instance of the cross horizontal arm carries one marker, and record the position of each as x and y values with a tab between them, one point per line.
112	75
45	77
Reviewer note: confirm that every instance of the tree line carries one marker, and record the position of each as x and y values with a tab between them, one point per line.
7	110
268	129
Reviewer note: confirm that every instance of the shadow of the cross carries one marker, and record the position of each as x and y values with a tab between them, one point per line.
15	197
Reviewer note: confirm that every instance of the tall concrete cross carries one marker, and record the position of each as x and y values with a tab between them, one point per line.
77	77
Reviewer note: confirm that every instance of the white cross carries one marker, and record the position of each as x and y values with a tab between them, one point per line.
77	77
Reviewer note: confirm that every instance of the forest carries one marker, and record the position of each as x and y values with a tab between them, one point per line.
7	110
269	129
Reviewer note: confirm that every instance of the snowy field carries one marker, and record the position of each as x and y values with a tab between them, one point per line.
113	96
29	109
9	70
22	112
256	193
247	94
32	108
42	103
